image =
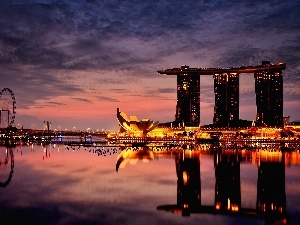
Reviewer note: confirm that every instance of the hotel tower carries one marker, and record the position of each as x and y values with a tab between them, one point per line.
226	89
188	98
268	91
269	96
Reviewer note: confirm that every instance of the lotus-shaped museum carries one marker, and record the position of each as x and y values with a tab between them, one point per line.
133	124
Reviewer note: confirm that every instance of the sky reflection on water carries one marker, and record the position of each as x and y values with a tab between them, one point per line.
81	187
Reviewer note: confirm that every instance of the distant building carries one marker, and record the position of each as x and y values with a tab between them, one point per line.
188	98
286	120
269	96
134	125
226	111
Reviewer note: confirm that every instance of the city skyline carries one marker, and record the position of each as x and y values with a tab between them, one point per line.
268	91
74	64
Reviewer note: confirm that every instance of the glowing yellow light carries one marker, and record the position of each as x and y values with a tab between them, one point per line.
235	208
185	177
228	204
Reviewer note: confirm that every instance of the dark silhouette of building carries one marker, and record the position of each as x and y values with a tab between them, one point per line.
271	198
268	89
228	188
188	98
269	96
226	111
188	183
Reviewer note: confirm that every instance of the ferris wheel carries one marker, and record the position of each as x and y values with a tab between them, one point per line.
7	107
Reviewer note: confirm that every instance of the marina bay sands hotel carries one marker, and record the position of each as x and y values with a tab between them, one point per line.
268	91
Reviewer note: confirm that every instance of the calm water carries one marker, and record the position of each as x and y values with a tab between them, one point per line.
63	185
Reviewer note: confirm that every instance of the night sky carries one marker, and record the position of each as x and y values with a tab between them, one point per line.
73	63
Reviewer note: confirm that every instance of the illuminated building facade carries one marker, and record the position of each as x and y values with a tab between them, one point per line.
269	96
188	99
226	110
134	125
268	89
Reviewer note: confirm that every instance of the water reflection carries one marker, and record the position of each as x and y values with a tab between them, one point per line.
133	154
271	196
227	174
146	153
271	200
7	161
202	182
6	164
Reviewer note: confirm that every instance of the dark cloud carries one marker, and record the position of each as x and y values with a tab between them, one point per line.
291	96
110	81
35	80
82	100
167	182
85	35
107	99
44	43
241	55
167	90
271	16
54	103
119	90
